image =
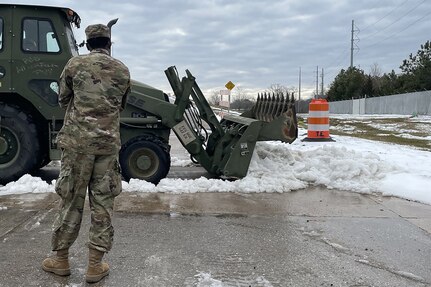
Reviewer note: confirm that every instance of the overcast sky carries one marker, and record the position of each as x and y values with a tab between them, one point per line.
254	43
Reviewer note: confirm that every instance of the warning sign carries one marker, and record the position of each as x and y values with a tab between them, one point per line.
230	85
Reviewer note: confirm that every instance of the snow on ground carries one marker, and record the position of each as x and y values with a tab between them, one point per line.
206	280
349	164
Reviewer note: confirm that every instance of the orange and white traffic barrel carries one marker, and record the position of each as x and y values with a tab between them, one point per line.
318	121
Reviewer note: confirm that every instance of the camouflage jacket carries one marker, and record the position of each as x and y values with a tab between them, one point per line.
93	90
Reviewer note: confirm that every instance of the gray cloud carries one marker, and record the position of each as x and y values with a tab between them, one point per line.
256	43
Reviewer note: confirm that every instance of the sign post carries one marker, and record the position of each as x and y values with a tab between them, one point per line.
224	103
229	85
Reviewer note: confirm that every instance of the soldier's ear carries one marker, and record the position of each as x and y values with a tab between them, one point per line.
108	45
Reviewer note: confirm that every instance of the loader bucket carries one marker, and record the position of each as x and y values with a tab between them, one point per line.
271	118
225	150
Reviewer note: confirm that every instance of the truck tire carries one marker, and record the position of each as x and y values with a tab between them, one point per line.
19	144
145	157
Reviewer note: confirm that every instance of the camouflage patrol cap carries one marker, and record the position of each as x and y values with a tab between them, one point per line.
97	30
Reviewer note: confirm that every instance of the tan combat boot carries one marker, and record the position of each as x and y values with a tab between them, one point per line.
96	268
58	264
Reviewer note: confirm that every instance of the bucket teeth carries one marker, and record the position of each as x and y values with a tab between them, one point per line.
271	112
265	107
270	106
280	104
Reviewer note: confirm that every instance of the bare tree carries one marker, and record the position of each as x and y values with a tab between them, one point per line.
280	89
240	93
241	100
214	98
277	89
375	71
376	79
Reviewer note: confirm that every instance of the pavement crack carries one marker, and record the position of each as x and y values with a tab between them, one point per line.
336	246
318	235
28	222
404	274
34	221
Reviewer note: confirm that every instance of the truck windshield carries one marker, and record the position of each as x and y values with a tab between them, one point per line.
71	40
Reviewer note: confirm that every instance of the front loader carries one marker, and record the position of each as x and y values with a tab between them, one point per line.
35	44
223	148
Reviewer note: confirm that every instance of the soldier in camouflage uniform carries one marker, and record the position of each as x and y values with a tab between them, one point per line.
93	90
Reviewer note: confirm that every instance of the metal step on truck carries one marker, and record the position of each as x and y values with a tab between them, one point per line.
35	44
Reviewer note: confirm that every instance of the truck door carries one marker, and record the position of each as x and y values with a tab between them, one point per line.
38	57
5	49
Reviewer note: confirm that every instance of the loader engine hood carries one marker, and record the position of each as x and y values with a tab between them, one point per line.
141	88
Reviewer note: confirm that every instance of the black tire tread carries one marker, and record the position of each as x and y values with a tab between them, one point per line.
32	152
155	140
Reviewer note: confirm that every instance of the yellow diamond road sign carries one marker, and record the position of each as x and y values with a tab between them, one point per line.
230	85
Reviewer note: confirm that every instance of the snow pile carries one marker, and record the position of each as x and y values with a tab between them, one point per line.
329	165
275	168
349	164
26	184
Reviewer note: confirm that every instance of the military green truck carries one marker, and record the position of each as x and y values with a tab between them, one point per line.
35	44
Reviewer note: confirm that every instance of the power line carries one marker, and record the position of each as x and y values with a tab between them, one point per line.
397	20
343	57
396	33
336	62
387	14
354	46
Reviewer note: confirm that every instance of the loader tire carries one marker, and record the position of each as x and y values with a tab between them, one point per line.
146	158
19	144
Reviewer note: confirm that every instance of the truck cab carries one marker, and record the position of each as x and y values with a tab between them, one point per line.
35	44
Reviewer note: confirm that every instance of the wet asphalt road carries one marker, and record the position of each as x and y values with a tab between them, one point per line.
314	237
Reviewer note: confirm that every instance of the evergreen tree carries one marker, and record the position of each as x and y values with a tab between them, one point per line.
416	70
347	84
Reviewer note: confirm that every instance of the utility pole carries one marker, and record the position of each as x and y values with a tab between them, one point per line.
352	43
317	82
299	92
321	87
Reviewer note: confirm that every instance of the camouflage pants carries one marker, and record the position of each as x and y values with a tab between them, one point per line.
101	174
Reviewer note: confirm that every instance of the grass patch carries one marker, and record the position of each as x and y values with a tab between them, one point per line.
389	138
362	129
302	123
